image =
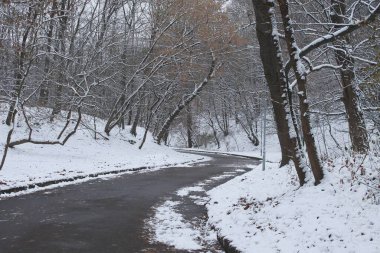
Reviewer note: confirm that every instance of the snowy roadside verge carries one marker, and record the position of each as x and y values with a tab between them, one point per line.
180	220
85	156
266	211
43	185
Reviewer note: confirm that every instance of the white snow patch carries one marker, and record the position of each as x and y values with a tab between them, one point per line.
186	190
220	177
170	228
199	200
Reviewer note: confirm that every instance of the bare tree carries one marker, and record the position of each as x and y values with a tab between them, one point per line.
271	56
351	101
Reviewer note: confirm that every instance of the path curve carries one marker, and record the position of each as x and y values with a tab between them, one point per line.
101	215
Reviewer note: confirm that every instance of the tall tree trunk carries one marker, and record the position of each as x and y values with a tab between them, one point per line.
271	57
300	73
130	114
356	123
189	127
65	5
43	98
136	121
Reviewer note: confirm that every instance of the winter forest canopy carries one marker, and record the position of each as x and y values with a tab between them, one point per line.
175	67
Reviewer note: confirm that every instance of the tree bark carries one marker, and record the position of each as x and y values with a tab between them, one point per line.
136	121
43	98
189	127
356	122
64	7
271	57
300	73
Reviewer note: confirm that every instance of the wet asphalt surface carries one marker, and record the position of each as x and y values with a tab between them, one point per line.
102	216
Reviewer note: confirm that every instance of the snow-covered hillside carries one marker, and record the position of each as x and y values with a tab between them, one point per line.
235	141
81	155
267	211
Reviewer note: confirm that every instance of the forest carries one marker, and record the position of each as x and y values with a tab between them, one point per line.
94	87
170	64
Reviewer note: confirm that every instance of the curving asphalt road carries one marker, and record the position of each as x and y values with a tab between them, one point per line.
102	215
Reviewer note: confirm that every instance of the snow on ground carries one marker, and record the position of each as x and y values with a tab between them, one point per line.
81	155
204	139
186	191
266	211
235	143
172	229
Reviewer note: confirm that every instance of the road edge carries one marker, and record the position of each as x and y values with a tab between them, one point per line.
216	153
44	184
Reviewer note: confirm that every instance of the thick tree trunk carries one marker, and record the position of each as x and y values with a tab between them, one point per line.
272	71
300	73
356	123
64	7
130	114
271	57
